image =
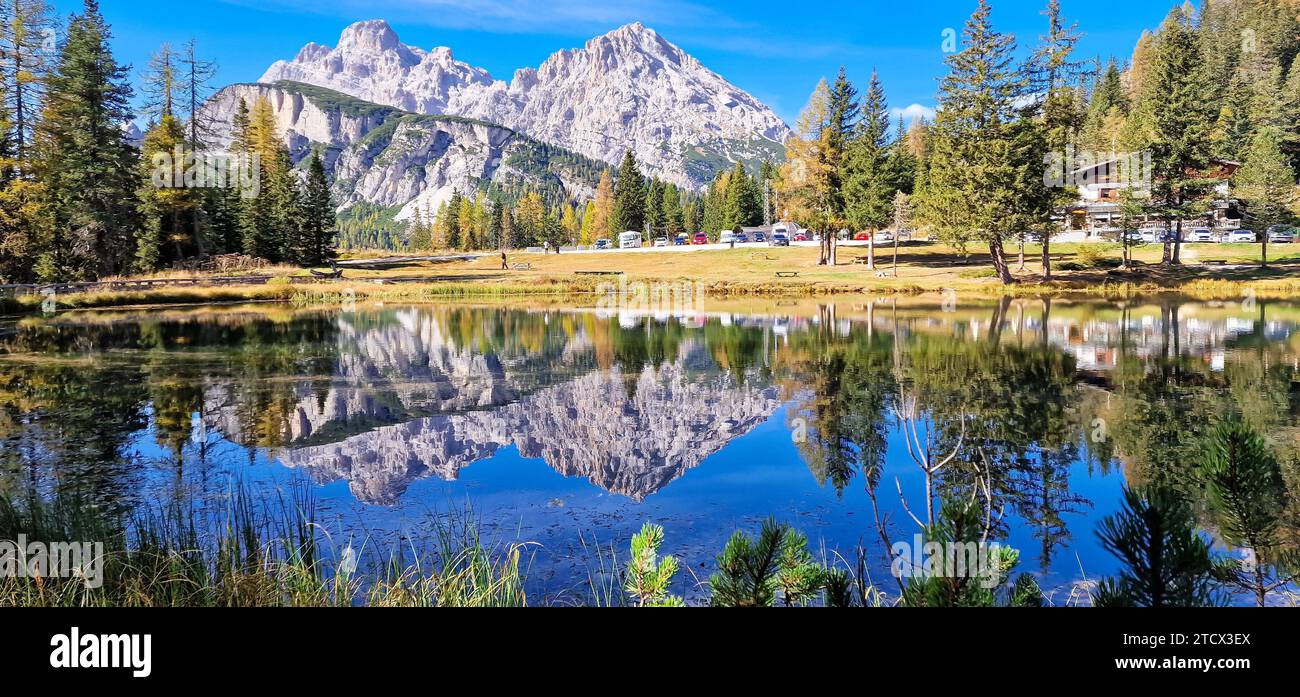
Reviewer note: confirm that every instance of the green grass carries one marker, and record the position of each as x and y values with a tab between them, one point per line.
251	553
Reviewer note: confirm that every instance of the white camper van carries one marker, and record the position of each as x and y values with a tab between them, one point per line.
629	240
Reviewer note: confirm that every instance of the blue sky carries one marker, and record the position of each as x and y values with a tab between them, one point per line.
775	50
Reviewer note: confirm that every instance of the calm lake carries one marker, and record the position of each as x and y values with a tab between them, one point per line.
570	427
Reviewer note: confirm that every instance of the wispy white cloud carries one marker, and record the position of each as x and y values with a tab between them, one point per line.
513	16
913	112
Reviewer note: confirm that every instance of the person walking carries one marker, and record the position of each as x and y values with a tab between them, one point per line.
504	265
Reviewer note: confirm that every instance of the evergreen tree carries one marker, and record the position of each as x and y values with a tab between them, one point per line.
1165	562
1107	110
1173	119
869	181
629	197
495	232
671	211
453	229
1056	77
266	219
1267	185
317	215
167	205
84	161
975	160
655	206
1247	496
743	203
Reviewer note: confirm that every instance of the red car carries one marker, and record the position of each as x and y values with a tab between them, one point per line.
700	238
862	237
800	237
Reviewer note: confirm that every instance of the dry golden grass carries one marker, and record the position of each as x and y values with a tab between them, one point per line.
747	272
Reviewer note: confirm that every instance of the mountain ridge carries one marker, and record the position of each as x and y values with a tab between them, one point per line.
629	89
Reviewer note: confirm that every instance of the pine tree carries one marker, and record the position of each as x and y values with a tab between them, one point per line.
27	31
1247	497
1165	562
1057	77
655	206
454	234
496	225
649	575
975	162
629	197
1107	110
671	211
266	219
317	216
83	159
167	204
1173	119
1267	185
743	203
869	182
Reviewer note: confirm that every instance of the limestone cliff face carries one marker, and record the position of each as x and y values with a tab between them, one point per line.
395	159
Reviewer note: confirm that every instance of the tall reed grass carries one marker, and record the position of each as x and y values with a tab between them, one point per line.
252	552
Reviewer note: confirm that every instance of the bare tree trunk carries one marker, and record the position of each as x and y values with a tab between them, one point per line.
871	252
999	257
1178	245
1263	250
1047	255
896	254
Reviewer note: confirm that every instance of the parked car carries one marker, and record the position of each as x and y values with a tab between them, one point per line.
780	239
801	236
1242	237
1281	234
727	237
629	240
741	238
680	240
661	241
863	236
700	238
760	237
1201	235
603	244
885	237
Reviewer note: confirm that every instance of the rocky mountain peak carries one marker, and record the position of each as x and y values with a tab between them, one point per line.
370	35
630	89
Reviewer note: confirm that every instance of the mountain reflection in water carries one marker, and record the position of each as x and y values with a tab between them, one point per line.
703	423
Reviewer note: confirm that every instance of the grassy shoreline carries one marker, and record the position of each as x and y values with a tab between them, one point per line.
922	270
